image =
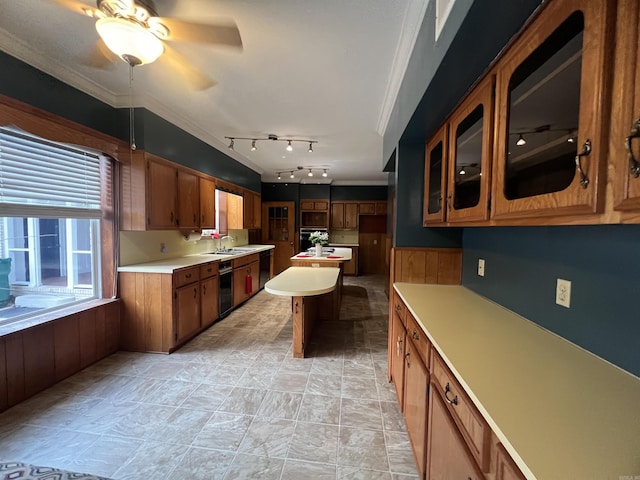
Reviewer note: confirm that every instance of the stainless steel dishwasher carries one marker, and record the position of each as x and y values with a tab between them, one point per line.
225	295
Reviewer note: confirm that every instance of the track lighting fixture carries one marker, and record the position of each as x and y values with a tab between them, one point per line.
273	138
308	170
462	171
521	141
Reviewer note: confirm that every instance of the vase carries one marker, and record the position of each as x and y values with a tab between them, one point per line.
318	250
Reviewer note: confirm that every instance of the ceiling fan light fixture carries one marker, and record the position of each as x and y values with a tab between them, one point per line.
130	41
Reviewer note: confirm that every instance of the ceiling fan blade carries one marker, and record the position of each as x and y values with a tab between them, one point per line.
196	79
100	57
222	34
78	7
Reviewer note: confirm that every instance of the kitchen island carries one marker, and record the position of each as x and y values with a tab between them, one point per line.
314	296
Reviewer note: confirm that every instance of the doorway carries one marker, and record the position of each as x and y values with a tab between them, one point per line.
278	228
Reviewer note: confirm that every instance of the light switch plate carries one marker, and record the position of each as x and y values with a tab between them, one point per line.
481	267
563	292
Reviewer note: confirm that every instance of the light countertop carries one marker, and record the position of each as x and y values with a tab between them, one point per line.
344	245
338	255
303	281
560	411
171	264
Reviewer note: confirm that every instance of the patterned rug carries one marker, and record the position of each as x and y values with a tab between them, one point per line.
22	471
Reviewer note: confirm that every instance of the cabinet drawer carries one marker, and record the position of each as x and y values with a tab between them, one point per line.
185	276
208	270
472	426
399	307
418	337
246	260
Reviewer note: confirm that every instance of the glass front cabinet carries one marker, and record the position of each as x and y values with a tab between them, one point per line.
458	162
551	154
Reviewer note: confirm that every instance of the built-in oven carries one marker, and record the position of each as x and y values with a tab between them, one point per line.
225	295
305	233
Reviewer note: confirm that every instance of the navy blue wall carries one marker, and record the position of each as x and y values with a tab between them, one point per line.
29	85
356	192
602	262
315	191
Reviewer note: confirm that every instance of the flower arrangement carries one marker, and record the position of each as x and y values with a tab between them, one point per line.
319	238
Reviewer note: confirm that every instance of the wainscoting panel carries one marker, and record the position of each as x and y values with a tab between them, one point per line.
426	265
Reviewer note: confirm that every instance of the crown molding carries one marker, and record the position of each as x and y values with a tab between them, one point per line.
413	18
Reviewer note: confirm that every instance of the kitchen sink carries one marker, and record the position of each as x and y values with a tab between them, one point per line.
231	251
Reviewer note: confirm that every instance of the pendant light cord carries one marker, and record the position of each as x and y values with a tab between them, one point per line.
132	128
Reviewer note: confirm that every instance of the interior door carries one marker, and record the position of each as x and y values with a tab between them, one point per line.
278	228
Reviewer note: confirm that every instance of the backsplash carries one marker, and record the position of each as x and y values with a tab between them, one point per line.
143	247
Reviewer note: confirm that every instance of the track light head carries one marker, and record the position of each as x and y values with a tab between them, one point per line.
324	174
310	147
231	144
521	141
291	175
253	146
310	174
289	146
279	176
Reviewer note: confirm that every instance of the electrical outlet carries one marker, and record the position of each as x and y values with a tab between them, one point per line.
563	293
163	248
481	267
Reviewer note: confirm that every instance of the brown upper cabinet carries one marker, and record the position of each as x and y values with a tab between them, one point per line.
161	197
207	203
251	210
624	145
458	161
435	176
551	105
344	215
314	213
188	200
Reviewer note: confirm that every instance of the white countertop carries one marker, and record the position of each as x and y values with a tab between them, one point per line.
171	264
344	245
560	411
303	281
338	255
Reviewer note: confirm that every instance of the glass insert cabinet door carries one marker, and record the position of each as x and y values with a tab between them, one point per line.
549	153
470	150
435	179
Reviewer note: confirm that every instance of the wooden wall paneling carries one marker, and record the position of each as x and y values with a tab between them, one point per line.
88	340
413	266
66	341
450	267
128	310
15	368
3	376
39	359
431	266
100	322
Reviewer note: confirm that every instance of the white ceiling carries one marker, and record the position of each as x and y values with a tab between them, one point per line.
326	70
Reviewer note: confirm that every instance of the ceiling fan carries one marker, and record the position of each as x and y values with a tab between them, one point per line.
133	31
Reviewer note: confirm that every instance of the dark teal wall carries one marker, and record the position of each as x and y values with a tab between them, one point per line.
29	85
602	262
358	192
315	191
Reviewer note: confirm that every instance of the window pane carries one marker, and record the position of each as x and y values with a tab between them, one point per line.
82	269
468	160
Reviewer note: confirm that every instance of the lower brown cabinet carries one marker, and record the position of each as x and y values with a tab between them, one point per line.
246	278
448	457
396	364
187	306
416	383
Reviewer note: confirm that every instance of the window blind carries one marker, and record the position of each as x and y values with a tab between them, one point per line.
39	178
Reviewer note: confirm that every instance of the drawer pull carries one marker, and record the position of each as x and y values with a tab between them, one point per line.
188	275
452	401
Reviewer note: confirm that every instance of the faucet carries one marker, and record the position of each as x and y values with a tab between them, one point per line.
222	249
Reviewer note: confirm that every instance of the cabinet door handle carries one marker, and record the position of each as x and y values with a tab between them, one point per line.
398	307
415	335
195	292
398	346
586	150
634	163
406	357
204	289
452	401
195	218
171	217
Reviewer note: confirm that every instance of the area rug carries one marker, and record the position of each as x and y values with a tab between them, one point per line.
22	471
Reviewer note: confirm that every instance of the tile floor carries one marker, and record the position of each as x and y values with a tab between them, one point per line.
231	404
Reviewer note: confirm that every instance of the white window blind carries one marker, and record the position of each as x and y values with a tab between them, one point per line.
39	178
